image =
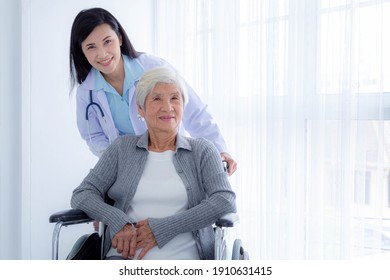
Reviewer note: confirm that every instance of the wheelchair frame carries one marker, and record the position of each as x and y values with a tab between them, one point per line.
76	216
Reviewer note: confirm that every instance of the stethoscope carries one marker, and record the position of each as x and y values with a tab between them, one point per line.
91	103
96	105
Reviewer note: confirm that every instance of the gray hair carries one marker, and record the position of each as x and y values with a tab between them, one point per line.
159	75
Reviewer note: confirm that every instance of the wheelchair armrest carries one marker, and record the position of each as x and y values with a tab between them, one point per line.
70	216
228	220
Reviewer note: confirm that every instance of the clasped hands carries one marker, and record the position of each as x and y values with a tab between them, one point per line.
131	238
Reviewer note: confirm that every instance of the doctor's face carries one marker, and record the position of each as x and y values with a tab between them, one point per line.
102	49
163	108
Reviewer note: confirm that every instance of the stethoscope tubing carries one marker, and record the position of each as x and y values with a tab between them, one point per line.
91	103
89	106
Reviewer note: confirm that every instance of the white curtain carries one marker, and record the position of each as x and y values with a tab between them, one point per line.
300	89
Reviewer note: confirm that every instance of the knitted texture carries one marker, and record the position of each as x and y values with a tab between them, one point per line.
118	172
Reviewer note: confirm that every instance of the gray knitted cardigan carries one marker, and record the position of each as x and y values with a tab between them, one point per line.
118	172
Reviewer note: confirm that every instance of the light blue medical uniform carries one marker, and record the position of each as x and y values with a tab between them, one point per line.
119	104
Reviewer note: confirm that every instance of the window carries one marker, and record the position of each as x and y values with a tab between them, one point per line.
301	92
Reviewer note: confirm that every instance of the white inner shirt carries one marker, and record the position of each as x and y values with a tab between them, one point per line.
161	193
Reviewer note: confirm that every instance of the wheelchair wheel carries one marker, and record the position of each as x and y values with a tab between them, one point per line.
238	251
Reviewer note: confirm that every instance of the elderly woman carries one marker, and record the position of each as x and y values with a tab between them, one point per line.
167	189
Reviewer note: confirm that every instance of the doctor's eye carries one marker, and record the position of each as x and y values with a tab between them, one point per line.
90	47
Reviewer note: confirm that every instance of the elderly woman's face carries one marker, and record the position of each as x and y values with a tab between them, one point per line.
163	108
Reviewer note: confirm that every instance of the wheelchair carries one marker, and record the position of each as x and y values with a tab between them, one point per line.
92	244
96	239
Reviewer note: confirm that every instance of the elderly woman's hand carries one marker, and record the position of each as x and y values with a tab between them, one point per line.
125	241
145	238
232	164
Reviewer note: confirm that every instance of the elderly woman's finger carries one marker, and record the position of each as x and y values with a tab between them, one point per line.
133	246
145	250
126	249
124	241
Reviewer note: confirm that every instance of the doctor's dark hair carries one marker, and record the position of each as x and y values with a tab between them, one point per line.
83	24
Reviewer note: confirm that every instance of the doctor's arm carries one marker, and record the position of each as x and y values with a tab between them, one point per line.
199	123
90	130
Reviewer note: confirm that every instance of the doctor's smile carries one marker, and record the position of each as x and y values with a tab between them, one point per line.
102	49
106	62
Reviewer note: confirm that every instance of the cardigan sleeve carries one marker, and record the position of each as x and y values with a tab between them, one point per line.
90	195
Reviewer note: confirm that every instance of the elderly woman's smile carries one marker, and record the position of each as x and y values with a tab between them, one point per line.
163	109
167	118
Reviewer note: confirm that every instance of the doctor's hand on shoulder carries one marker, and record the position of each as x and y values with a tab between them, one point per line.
231	163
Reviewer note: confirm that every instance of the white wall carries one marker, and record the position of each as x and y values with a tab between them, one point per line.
10	125
54	159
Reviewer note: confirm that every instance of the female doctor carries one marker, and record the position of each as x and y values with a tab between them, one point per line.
106	68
